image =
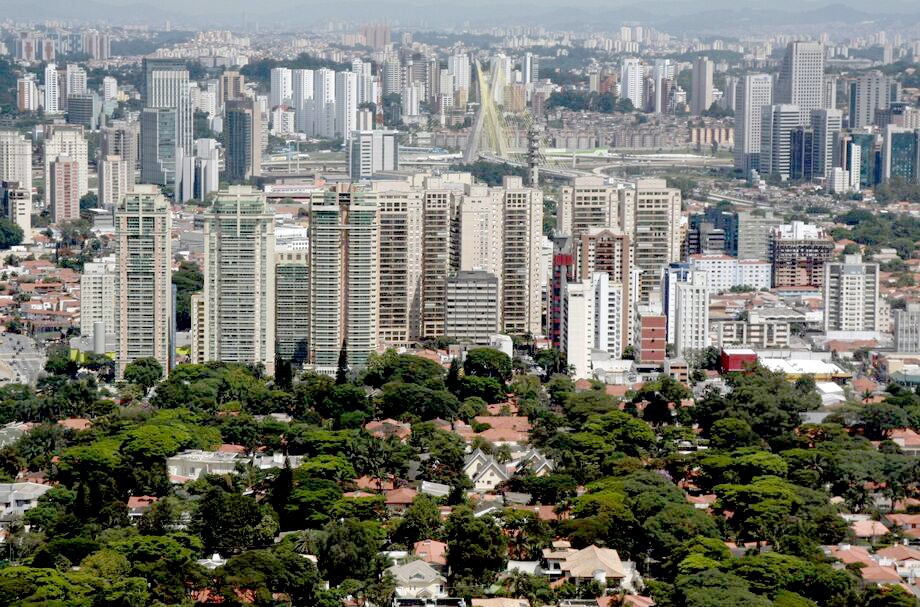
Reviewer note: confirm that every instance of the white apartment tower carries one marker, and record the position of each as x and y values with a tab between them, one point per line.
754	91
323	115
346	104
16	159
302	99
692	315
116	178
281	87
656	232
239	279
97	295
143	285
851	295
631	78
871	91
52	90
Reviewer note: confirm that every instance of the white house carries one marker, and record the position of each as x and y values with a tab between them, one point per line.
418	580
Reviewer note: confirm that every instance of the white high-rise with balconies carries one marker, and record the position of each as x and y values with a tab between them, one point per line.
631	78
302	100
52	90
323	114
346	104
281	87
116	178
692	315
66	140
851	295
16	159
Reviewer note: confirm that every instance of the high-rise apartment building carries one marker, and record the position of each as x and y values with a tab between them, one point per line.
370	152
109	88
589	203
143	285
691	332
122	139
631	79
75	80
870	92
66	140
754	231
701	98
851	295
52	90
167	87
798	252
16	205
754	91
578	327
302	100
324	103
27	98
243	128
281	90
239	279
801	78
159	142
292	305
64	189
97	295
232	85
346	103
609	252
656	233
471	307
16	159
116	178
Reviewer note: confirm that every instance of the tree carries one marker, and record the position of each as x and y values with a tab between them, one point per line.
188	280
351	550
487	362
488	389
879	420
145	372
228	521
730	433
421	521
475	546
10	234
341	371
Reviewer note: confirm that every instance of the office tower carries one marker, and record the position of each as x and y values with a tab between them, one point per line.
16	159
302	99
143	285
323	103
27	98
116	178
701	98
631	81
281	87
121	139
802	153
656	233
588	203
97	295
801	77
471	308
754	91
52	90
84	110
232	85
691	332
64	189
798	252
370	152
66	140
851	292
243	139
907	328
167	87
346	103
292	305
870	92
76	80
109	89
344	274
901	155
530	68
754	231
159	143
830	92
826	125
16	205
777	124
459	67
239	279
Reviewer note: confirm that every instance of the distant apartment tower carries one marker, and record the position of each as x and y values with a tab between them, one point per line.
701	98
754	91
578	326
302	100
851	295
16	205
64	189
159	142
907	328
631	81
167	86
589	202
97	296
292	305
66	140
798	252
16	159
232	85
801	78
471	308
370	152
281	87
870	92
656	232
122	139
143	285
691	332
27	98
243	139
239	279
52	90
116	178
346	104
109	89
